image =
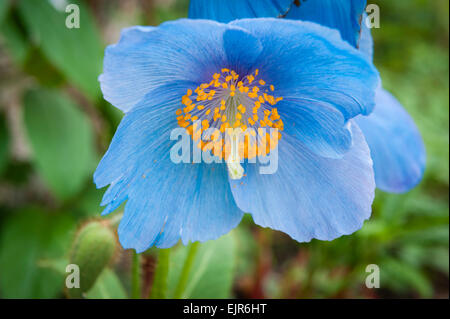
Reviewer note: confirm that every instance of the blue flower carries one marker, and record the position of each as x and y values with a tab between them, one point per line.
297	77
397	148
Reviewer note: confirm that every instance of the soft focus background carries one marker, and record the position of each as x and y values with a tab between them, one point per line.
55	126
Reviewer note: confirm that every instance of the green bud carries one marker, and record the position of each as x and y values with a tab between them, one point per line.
92	250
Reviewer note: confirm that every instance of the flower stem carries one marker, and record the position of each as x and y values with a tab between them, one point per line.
182	282
159	287
136	276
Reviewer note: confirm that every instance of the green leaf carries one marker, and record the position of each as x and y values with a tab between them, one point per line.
4	143
25	239
213	269
78	53
438	258
89	203
37	66
247	251
402	277
62	141
15	42
432	235
107	286
4	5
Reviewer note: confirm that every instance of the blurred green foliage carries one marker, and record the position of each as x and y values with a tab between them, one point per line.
211	275
50	117
54	126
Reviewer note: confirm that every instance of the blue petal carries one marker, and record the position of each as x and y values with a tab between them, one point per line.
191	202
242	50
316	124
310	196
162	104
319	76
343	15
228	10
148	57
366	41
166	201
306	60
395	143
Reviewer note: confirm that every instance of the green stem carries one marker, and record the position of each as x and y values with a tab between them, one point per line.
136	276
159	287
181	286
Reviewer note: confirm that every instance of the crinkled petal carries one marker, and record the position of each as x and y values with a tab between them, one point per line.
397	148
162	105
366	41
242	49
228	10
166	201
318	125
148	57
309	61
185	201
343	15
310	196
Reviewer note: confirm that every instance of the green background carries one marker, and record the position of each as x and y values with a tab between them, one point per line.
54	127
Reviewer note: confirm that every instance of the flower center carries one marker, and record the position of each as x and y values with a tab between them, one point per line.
229	104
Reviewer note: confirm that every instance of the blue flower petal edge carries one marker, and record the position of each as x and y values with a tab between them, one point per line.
396	145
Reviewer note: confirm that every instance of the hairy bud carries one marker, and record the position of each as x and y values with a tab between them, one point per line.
92	250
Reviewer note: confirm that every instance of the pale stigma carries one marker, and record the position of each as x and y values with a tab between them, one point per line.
235	168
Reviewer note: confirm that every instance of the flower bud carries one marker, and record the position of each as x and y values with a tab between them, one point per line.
92	250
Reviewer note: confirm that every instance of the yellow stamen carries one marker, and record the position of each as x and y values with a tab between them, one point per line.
228	96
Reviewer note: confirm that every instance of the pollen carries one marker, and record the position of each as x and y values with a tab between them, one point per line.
229	103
